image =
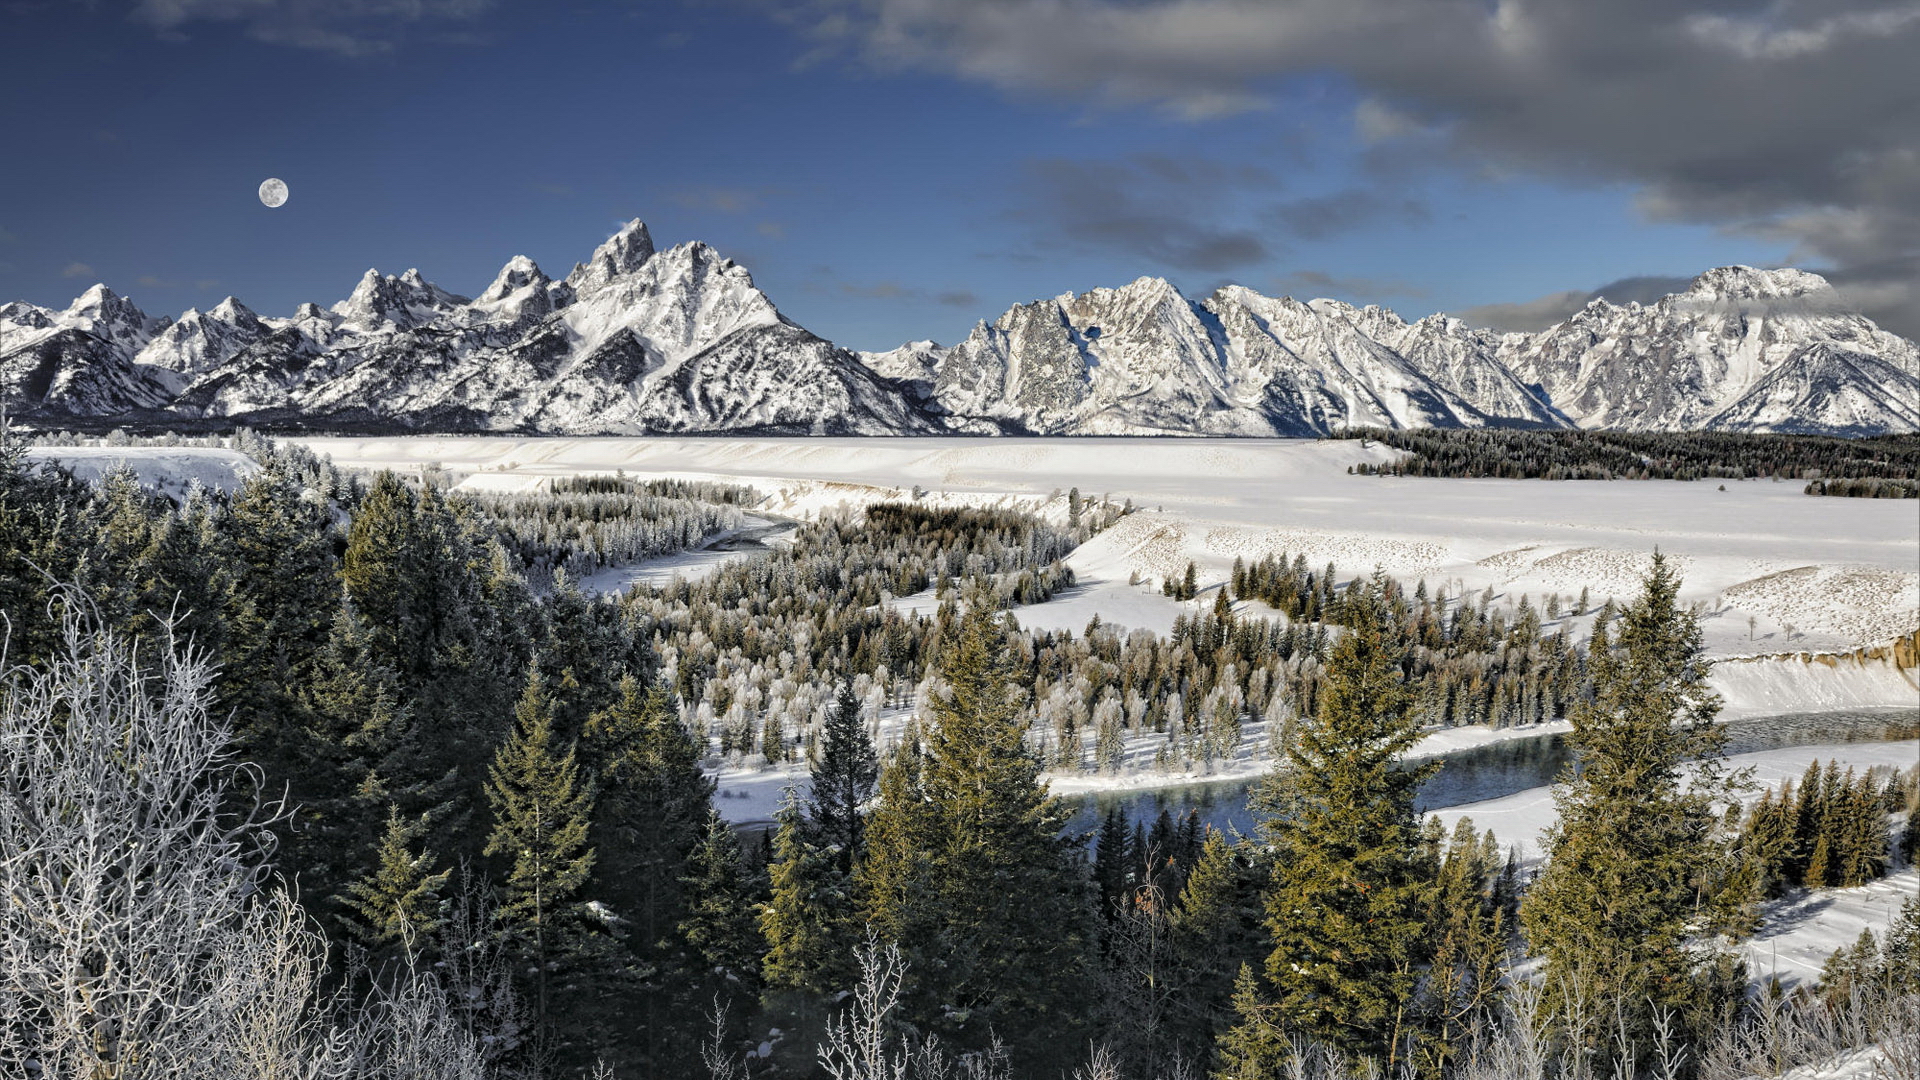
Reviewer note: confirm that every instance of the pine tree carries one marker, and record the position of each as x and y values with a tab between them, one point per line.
1471	919
843	781
1215	930
805	948
967	869
1347	902
1613	912
541	809
1256	1047
285	590
376	570
650	811
399	902
651	804
720	924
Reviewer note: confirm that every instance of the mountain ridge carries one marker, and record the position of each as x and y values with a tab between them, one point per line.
637	340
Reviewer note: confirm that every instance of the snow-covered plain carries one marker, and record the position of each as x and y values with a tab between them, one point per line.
171	470
1813	574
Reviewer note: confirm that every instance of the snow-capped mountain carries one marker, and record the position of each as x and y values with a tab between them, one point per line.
636	340
1730	352
1742	349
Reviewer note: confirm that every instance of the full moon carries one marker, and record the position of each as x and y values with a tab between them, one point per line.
273	191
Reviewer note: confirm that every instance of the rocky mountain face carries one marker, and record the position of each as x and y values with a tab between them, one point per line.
1741	350
633	340
636	340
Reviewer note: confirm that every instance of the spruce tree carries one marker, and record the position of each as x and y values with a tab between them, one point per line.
1257	1046
399	902
719	924
1613	914
966	867
650	811
1347	901
541	808
843	781
805	948
1216	927
285	589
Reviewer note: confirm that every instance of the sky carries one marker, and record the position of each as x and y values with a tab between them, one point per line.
900	169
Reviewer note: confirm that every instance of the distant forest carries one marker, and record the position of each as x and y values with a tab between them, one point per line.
1880	467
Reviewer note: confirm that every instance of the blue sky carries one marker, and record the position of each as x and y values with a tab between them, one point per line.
880	186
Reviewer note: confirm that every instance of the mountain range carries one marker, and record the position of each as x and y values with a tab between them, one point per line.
638	341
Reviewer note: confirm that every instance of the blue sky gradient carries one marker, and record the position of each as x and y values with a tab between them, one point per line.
873	202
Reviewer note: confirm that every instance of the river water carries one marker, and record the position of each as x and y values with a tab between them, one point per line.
1499	769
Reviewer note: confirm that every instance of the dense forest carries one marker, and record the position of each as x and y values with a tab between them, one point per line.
332	776
1880	467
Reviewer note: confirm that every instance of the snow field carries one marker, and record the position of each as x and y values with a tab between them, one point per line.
1813	573
170	470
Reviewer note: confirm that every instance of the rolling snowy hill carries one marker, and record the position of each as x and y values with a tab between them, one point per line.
640	341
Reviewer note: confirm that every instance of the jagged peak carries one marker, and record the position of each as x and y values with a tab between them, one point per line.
518	273
231	310
99	296
626	251
309	310
1751	283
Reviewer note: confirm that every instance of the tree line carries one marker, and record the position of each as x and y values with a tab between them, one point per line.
1880	466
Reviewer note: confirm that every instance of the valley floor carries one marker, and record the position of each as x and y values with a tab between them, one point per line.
1812	574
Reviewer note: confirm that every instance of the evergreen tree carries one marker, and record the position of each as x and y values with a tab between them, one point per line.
843	781
541	809
806	949
650	813
1257	1046
1347	903
1470	921
284	588
1613	914
399	902
1216	928
720	921
967	869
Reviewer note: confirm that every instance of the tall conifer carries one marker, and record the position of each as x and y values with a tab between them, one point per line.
1347	902
541	809
966	866
1614	913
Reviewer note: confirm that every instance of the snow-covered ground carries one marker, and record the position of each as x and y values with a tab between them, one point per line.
1799	932
1813	574
171	470
757	535
1519	819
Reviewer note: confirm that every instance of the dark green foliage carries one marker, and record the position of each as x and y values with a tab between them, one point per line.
1636	843
966	867
1350	888
719	925
1885	466
399	904
1470	924
844	778
1832	832
808	942
1215	926
541	807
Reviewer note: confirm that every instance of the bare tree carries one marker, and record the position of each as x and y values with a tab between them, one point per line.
122	868
137	938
